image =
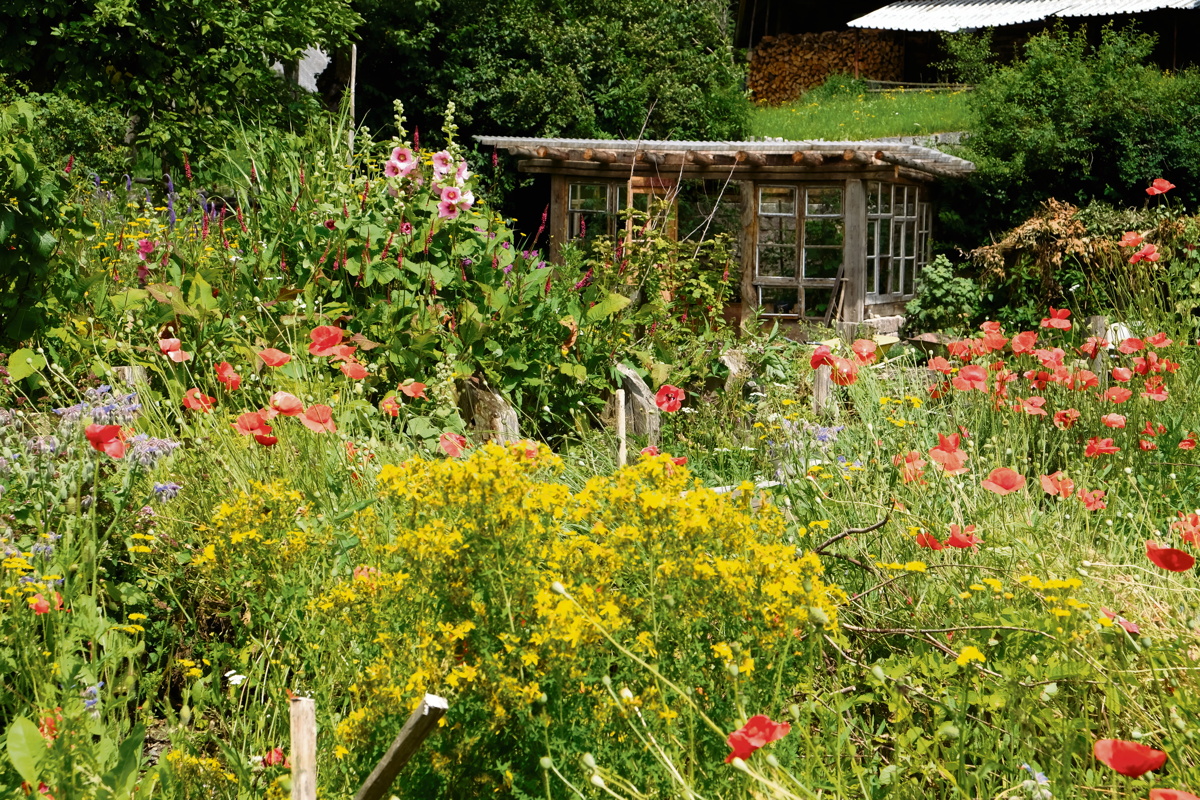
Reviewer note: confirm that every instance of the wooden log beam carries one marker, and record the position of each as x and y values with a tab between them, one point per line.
603	156
523	152
646	157
696	157
555	153
746	157
910	163
807	158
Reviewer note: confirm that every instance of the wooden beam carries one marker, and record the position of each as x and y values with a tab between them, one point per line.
838	171
603	156
902	161
696	157
807	158
854	252
746	157
420	724
645	156
747	245
556	153
522	152
559	200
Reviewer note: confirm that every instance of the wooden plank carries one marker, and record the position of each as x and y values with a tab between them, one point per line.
748	243
696	157
303	754
807	158
854	252
555	153
602	156
420	724
646	157
559	199
622	452
822	394
747	157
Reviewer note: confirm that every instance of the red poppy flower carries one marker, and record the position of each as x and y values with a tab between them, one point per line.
1100	447
939	364
1147	253
390	406
1143	365
265	438
1122	374
1065	419
198	401
287	404
669	398
1189	442
1076	380
274	358
319	419
170	349
1131	239
1093	345
1146	445
1038	380
929	541
1170	794
1113	421
1159	186
1168	557
913	469
227	376
1155	389
343	352
1024	342
821	357
960	350
414	389
1057	485
39	604
1188	526
1057	319
844	372
1128	758
1130	345
759	730
991	326
1050	358
971	377
990	343
1003	480
947	455
251	423
1093	500
650	452
963	538
452	444
1032	406
276	758
1131	627
324	339
354	370
108	439
1116	394
865	350
1159	340
1150	430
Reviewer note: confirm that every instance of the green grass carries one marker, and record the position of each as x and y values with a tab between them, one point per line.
864	116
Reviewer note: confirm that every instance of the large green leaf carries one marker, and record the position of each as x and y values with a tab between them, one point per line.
119	781
25	746
24	362
607	307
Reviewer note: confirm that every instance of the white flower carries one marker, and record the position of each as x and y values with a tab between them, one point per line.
234	678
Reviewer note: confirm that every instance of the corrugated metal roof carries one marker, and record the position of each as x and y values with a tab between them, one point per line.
956	15
925	155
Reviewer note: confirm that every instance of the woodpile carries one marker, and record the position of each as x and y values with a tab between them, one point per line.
785	66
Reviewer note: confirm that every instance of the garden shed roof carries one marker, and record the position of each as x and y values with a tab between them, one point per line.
956	15
714	159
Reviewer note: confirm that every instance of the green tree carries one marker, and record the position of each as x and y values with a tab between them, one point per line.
174	68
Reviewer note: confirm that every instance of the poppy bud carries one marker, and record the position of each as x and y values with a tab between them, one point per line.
818	616
794	710
545	762
879	674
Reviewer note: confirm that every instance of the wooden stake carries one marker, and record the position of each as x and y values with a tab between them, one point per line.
821	393
622	453
420	724
304	748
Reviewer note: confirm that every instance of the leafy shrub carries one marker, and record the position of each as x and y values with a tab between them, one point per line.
836	87
944	302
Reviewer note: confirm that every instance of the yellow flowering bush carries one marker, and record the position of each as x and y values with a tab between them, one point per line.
457	600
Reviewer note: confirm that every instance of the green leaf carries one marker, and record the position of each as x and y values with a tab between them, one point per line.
607	307
24	362
25	745
118	783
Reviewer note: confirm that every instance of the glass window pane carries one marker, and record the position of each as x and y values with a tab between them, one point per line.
885	237
776	200
910	206
589	197
823	232
776	262
816	301
825	202
897	237
885	275
909	271
822	262
777	230
872	272
910	238
885	199
873	188
779	300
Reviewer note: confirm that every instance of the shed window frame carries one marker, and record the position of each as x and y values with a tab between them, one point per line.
899	228
620	196
802	294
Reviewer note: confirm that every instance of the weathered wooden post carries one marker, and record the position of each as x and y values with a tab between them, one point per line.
822	395
1098	327
304	748
420	724
622	453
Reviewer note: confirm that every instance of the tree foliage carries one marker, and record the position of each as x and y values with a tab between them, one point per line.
578	68
173	67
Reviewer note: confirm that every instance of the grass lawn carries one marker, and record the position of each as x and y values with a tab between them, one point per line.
864	116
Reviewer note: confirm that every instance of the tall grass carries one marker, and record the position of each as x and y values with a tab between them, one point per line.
864	116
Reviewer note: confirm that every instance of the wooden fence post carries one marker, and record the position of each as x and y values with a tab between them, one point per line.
622	453
304	748
1098	326
822	398
418	727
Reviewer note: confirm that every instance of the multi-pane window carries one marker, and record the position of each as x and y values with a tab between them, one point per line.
898	242
597	209
801	232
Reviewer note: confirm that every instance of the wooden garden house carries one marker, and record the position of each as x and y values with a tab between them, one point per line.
830	231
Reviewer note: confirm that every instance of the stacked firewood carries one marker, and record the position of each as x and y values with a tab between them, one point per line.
783	67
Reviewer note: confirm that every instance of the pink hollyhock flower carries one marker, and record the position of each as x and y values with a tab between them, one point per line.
443	165
462	173
145	247
391	169
405	159
447	210
451	194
